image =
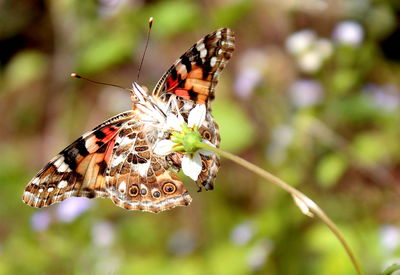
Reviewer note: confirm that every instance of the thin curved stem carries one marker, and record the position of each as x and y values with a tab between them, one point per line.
306	205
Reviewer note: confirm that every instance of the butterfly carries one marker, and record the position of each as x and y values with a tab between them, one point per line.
116	159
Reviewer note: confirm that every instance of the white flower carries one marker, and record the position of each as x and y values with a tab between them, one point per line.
191	161
309	50
310	61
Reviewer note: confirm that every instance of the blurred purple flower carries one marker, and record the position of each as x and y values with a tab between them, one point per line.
306	92
41	220
110	7
246	82
258	255
389	237
70	209
251	66
103	234
384	97
242	233
182	242
349	33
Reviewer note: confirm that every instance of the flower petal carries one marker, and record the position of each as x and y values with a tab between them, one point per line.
163	147
174	122
205	152
191	167
197	115
208	143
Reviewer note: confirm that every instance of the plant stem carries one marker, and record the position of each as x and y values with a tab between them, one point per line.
306	204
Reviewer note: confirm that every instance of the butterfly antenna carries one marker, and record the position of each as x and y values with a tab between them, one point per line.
145	48
98	82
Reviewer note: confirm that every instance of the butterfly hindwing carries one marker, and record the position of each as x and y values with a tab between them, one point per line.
136	178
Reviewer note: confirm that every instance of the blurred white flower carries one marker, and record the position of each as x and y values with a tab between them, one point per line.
242	233
309	50
389	237
71	208
258	255
306	92
282	135
348	33
299	42
103	234
310	61
41	220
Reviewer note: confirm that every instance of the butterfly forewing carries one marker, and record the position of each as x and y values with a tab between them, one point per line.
78	170
195	74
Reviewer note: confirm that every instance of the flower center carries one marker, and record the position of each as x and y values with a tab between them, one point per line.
190	142
187	140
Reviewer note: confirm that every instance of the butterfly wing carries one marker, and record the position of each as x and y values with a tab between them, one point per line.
78	170
137	179
192	79
195	74
113	160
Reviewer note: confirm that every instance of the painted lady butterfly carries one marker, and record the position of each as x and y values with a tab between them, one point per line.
117	160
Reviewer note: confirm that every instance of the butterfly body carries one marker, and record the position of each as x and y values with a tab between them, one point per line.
117	159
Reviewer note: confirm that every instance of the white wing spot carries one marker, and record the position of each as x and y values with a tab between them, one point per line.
118	160
213	61
62	184
59	161
203	53
40	190
63	168
122	187
142	168
126	140
35	181
51	189
200	46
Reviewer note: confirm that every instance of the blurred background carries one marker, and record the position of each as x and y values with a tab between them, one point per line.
311	94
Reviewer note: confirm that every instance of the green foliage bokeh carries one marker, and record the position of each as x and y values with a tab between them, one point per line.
341	146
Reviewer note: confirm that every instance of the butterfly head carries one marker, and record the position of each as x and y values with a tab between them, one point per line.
139	94
145	104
